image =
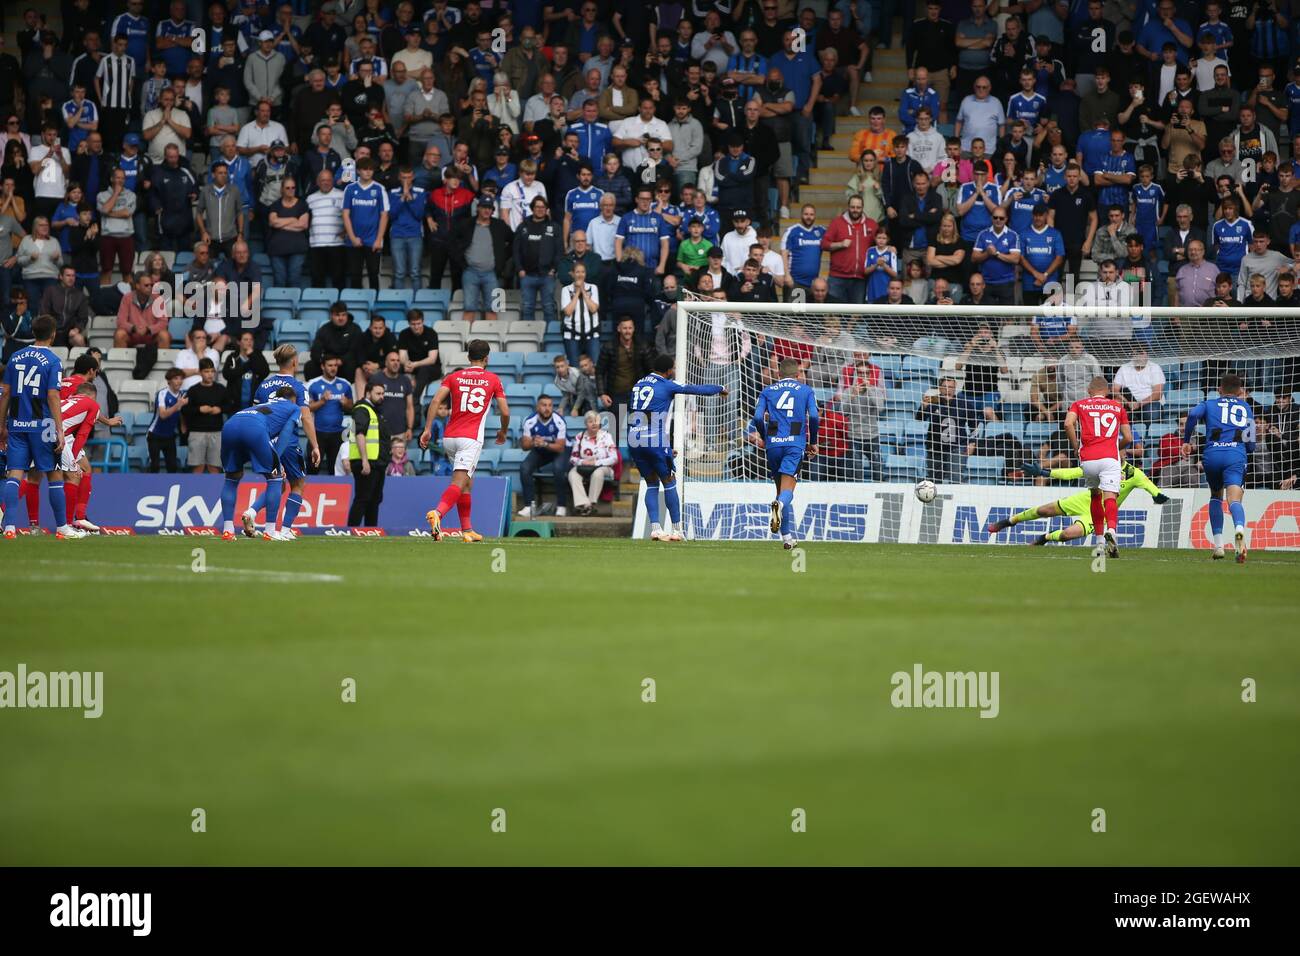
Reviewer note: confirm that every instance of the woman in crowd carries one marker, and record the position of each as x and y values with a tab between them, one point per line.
286	243
866	183
504	102
591	464
39	256
949	256
15	167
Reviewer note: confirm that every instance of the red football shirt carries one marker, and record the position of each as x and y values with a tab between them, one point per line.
1100	419
473	390
69	385
79	414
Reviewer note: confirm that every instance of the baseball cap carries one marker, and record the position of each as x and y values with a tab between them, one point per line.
740	214
694	220
278	144
131	139
265	35
503	151
486	201
529	138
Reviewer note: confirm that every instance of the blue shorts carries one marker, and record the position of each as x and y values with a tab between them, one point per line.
784	459
657	461
1223	470
292	462
247	443
27	450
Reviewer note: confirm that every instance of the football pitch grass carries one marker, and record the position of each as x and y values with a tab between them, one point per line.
513	680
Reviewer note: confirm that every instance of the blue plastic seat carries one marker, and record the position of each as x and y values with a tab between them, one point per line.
353	297
985	469
904	468
508	365
398	297
178	329
1038	432
319	297
276	294
523	392
435	297
998	429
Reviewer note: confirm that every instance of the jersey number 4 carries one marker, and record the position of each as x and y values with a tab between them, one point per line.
1104	424
473	400
785	403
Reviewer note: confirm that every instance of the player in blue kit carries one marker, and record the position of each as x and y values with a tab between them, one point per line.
649	414
286	447
31	427
247	438
785	425
1229	441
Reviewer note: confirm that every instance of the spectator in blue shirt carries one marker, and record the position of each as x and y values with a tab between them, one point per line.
407	204
1164	28
365	219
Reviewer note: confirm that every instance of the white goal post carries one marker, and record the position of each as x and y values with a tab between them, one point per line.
965	396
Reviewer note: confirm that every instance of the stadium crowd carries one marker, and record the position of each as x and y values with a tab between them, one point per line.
602	160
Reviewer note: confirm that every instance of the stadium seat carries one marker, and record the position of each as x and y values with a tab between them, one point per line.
904	468
274	295
299	332
998	429
903	400
424	298
508	365
453	357
985	469
401	298
178	329
1038	432
525	336
358	298
574	424
314	315
321	298
108	454
119	359
552	391
181	261
452	332
920	368
524	393
1183	399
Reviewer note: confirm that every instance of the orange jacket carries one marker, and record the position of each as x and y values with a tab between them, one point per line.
882	144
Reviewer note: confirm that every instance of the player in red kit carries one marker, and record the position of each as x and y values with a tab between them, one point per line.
80	413
1098	430
471	391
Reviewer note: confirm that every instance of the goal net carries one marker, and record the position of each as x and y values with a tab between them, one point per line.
968	397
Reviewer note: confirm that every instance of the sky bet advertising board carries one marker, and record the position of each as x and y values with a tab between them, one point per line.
191	504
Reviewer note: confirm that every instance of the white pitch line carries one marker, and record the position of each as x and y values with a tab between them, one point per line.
266	575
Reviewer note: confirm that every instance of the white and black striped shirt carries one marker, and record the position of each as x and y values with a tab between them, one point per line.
583	323
326	227
116	74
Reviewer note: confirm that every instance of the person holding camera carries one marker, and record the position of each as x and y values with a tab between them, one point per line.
1183	135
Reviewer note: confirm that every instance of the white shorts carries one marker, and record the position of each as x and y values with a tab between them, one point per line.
1103	473
69	461
463	452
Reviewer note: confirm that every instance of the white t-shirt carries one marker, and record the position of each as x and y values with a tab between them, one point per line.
1140	382
634	128
166	136
516	201
50	182
326	228
187	358
251	135
735	249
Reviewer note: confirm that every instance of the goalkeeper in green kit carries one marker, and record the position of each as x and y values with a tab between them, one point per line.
1077	506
